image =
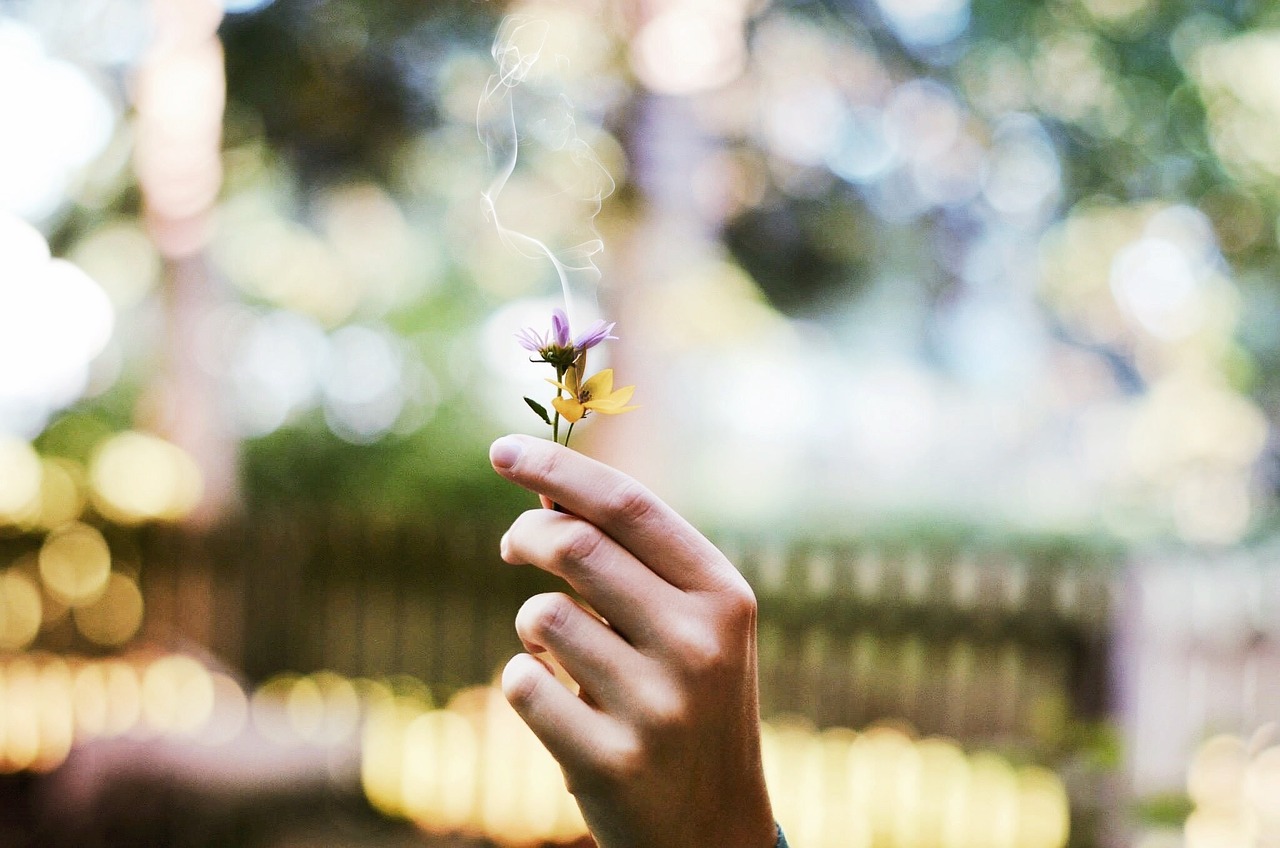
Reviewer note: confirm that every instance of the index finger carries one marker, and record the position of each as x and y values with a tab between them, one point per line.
620	506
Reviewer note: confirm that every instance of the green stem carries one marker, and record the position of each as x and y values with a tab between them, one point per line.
555	423
568	434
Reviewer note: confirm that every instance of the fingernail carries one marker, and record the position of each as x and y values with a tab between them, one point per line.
505	452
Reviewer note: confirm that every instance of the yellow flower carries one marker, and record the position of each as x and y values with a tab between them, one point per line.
595	395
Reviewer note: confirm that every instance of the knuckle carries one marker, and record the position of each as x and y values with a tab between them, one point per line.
623	761
703	652
545	465
579	543
739	603
630	502
666	712
515	541
544	616
617	761
708	657
526	521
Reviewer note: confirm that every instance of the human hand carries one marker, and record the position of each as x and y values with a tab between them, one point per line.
661	747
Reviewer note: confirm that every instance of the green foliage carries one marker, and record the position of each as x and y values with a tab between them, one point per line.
539	410
441	470
1169	810
338	90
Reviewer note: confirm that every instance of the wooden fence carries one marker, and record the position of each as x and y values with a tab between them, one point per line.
977	644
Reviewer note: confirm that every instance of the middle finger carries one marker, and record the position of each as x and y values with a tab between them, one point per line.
615	584
592	653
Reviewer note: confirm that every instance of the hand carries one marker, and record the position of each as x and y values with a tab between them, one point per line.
661	746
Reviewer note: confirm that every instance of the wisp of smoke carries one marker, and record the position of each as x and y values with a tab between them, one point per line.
512	103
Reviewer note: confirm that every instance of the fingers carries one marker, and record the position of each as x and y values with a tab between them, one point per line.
596	657
629	513
631	597
569	727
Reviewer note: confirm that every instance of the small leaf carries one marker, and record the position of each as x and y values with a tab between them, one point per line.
540	409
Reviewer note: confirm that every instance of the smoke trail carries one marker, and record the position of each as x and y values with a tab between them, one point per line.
517	98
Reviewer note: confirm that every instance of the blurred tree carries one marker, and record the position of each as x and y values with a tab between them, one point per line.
949	152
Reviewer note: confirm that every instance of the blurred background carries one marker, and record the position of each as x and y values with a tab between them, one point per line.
954	322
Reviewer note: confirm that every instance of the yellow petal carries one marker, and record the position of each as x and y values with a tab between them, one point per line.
614	402
611	410
623	394
569	408
570	383
604	404
599	385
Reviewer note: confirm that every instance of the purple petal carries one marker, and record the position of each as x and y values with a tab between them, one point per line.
560	327
598	332
529	340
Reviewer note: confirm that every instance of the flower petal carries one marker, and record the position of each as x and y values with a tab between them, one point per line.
599	331
560	327
530	340
622	395
596	406
571	381
616	400
600	384
569	408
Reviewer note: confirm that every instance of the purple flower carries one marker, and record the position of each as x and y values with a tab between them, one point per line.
557	345
560	327
599	331
529	340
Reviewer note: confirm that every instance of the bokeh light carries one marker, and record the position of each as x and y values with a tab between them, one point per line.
1231	785
275	368
137	477
59	119
62	497
1235	76
245	7
926	23
21	476
363	383
75	563
54	320
121	259
114	616
177	695
690	47
461	767
21	610
180	97
994	281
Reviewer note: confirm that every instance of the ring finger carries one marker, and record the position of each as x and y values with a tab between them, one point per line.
595	656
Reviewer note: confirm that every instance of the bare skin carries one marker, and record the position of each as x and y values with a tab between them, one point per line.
661	746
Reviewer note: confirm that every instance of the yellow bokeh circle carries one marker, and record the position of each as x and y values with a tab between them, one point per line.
115	616
177	695
75	563
20	611
137	477
20	476
61	496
